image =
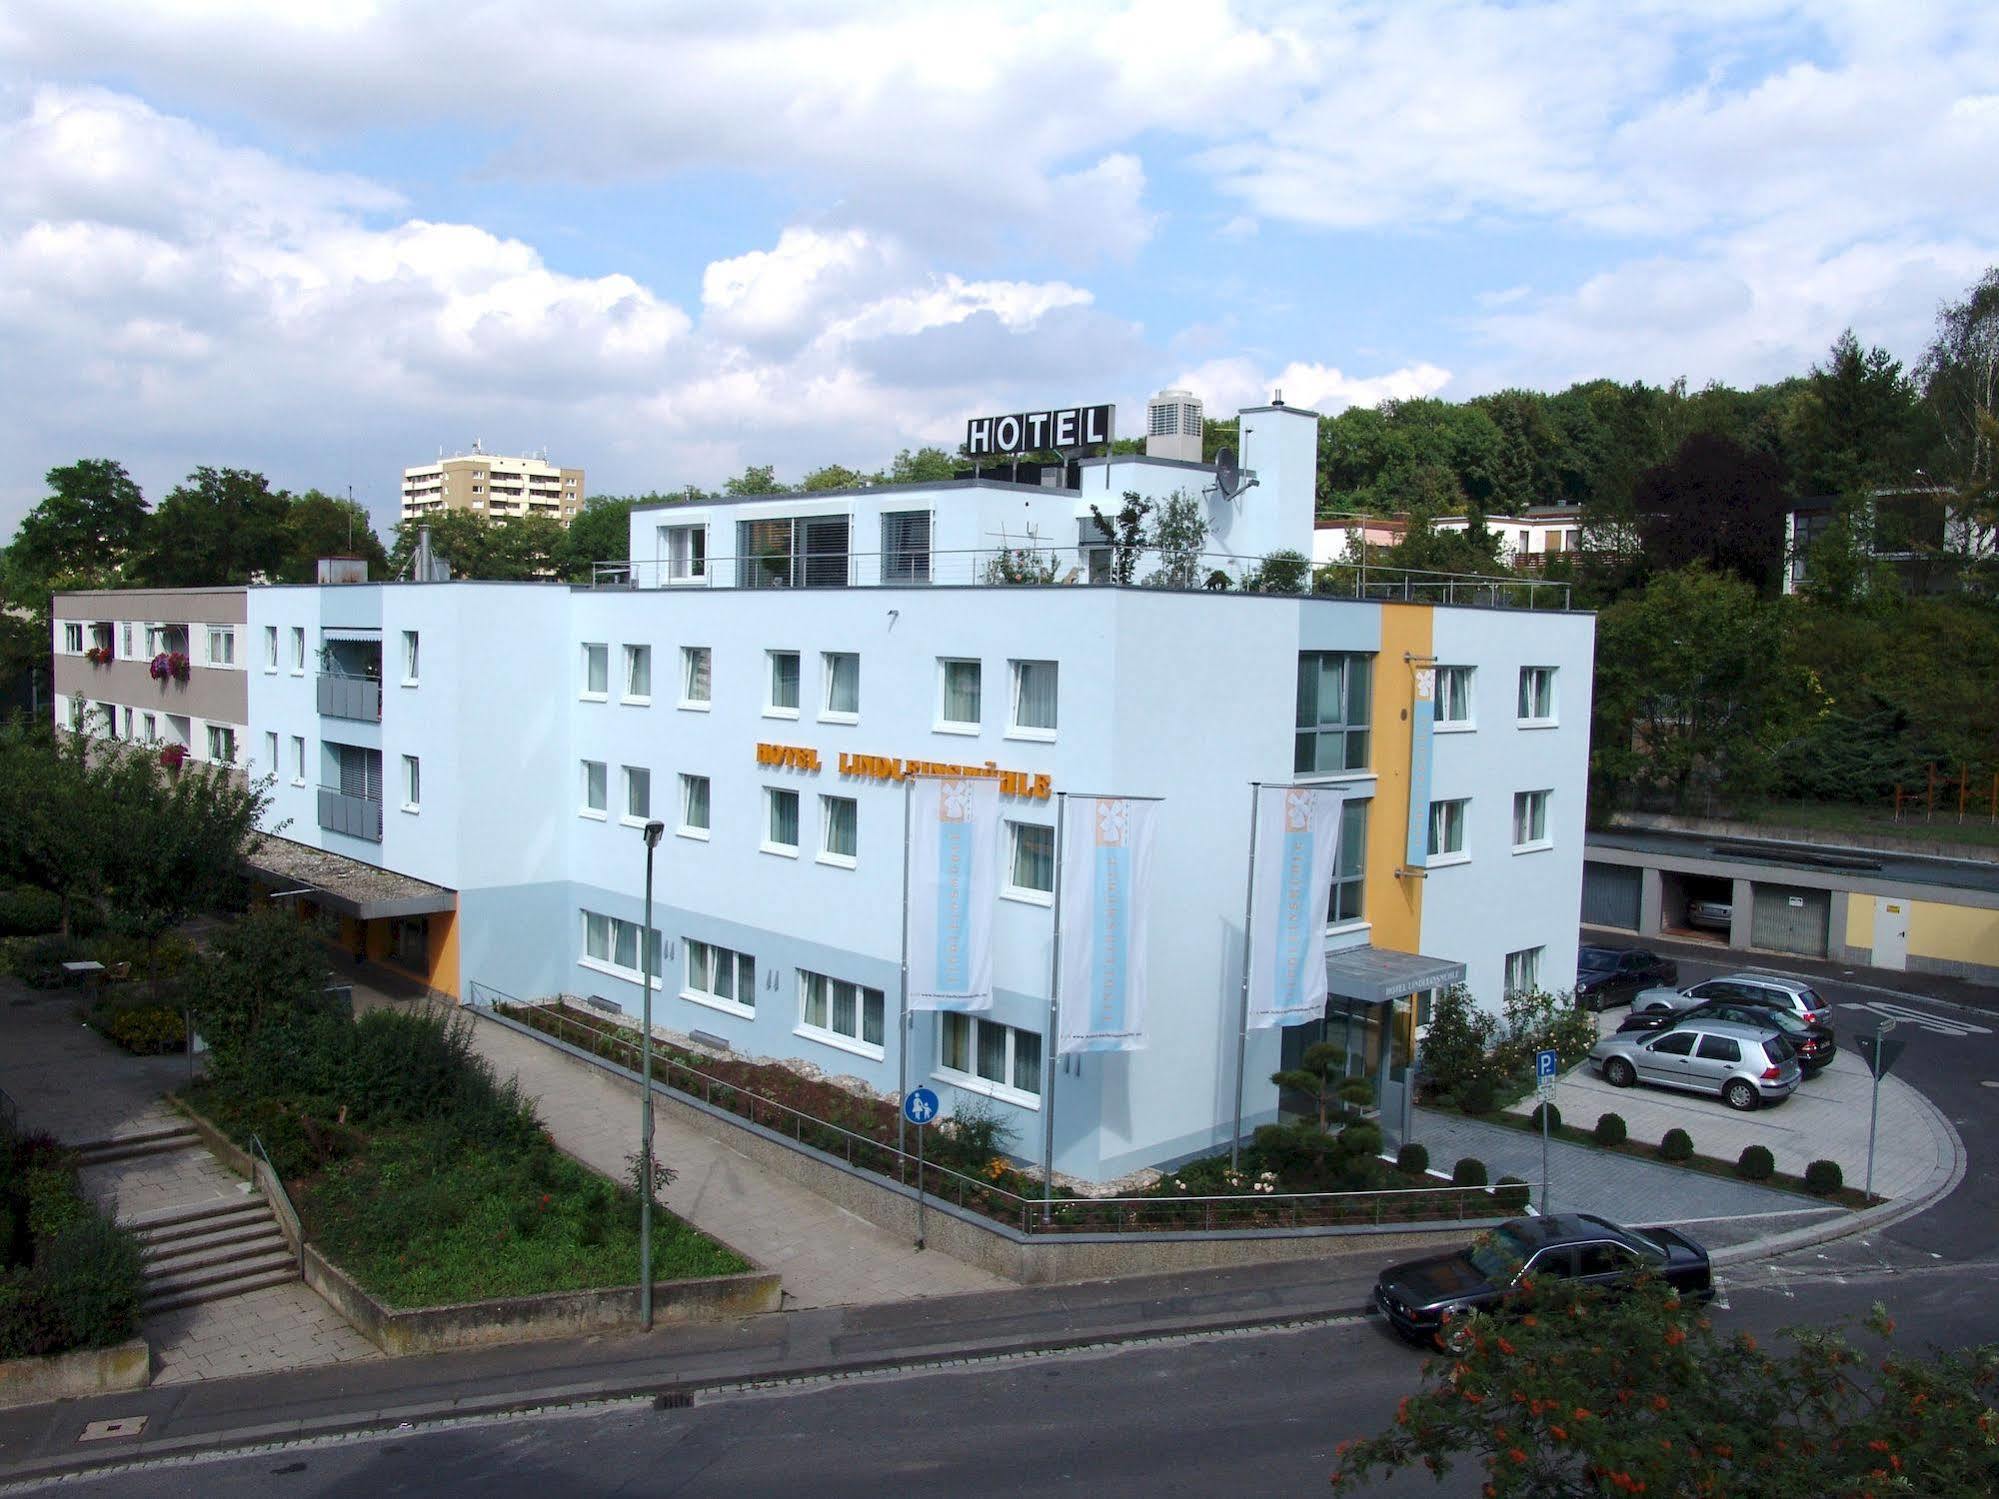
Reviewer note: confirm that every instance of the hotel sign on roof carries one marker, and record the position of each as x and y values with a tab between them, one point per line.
1032	431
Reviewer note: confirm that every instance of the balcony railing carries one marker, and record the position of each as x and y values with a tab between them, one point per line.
342	696
356	816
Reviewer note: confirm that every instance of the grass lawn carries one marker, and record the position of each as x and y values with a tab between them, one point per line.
1880	821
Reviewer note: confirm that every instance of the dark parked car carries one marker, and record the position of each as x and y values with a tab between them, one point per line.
1419	1298
1814	1044
1772	989
1607	976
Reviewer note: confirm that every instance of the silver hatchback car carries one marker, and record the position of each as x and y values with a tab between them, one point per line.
1775	990
1744	1064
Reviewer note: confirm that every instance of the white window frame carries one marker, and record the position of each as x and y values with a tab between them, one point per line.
298	753
970	1081
683	555
943	725
149	728
1523	971
1525	805
825	1034
298	650
72	637
1543	676
270	646
412	784
633	655
688	829
767	844
223	635
599	813
634	974
1011	853
1447	816
270	742
602	652
214	729
689	654
827	713
412	658
1015	729
628	779
711	955
772	707
826	854
1468	675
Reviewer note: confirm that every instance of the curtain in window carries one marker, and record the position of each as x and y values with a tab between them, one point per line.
955	1042
871	1016
597	937
843	683
593	785
1033	857
697	673
722	979
746	979
841	825
626	937
1034	694
784	818
638	671
1027	1062
784	679
992	1052
906	547
1526	708
844	1019
694	810
961	692
814	1012
638	792
409	653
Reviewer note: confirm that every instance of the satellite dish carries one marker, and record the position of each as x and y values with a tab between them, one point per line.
1228	478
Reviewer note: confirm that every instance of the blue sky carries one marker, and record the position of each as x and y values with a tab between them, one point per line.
665	242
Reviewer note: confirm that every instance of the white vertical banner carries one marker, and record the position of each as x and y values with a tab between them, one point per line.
1297	849
1106	892
953	885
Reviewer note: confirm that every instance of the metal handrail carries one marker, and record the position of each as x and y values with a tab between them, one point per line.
278	1185
1034	1212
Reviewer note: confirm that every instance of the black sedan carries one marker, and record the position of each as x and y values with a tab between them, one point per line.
1608	976
1814	1044
1420	1297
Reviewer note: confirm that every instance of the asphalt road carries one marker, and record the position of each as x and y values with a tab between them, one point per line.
1217	1415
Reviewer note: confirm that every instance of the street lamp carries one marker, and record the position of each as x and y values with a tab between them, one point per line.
652	834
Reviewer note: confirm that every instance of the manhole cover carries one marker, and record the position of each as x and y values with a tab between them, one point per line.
122	1426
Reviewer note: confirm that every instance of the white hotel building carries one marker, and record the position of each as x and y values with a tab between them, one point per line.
462	770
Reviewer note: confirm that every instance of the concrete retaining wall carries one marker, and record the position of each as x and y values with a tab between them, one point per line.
65	1376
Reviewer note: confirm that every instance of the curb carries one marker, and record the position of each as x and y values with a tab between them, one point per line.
666	1393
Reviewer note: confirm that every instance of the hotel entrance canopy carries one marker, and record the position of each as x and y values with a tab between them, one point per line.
343	885
1374	975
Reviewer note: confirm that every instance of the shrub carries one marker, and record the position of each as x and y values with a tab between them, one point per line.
145	1030
1549	1112
1610	1130
89	1276
1477	1095
39	963
1677	1145
1460	1040
1469	1172
1824	1178
1755	1163
1512	1195
1413	1158
28	912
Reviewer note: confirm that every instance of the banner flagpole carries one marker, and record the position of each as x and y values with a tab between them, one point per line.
1242	1025
902	1024
1053	1039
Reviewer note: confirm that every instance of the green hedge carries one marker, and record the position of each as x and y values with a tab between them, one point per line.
69	1277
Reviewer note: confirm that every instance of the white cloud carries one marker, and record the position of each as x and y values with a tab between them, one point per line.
1226	385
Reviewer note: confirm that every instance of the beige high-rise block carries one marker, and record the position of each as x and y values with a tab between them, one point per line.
493	486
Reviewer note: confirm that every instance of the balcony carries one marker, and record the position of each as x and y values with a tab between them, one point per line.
342	696
356	816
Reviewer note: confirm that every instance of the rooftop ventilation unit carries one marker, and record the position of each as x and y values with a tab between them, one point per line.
1173	426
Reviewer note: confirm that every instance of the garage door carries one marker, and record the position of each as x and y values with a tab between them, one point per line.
1610	895
1791	920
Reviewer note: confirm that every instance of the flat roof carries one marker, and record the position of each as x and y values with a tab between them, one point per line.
349	886
1376	975
780	496
1826	861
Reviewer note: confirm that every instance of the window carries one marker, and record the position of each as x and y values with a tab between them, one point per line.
595	793
412	783
984	1056
128	723
1523	971
1530	819
840	694
270	743
839	830
638	794
638	673
298	752
684	550
1333	690
1033	708
958	696
270	647
125	642
806	552
1447	830
221	646
906	547
613	945
1672	1044
221	744
1454	695
1537	694
694	676
1347	902
694	806
834	1010
780	821
1030	861
72	638
298	650
411	659
1604	1259
719	977
76	712
782	701
1719	1049
597	672
149	728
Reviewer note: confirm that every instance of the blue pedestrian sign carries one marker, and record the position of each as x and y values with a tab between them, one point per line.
919	1106
1544	1064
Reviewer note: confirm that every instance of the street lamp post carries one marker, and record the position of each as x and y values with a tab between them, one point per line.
653	832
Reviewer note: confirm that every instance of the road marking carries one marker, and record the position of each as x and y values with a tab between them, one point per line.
1903	1015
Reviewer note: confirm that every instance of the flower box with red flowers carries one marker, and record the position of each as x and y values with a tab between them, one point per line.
98	655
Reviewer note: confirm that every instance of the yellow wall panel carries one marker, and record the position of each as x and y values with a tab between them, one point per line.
1859	920
1961	934
1394	905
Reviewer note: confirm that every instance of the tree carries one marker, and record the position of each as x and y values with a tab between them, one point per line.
1718	502
1852	426
1179	530
266	963
833	476
57	828
1959	373
517	549
1321	1075
1574	1392
754	480
80	535
320	525
602	532
1126	534
220	526
924	466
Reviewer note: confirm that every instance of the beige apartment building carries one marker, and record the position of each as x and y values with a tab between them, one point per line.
488	484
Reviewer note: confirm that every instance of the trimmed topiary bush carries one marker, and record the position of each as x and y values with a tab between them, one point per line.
1677	1145
1512	1194
1413	1158
1476	1096
1610	1130
1469	1172
1824	1178
1553	1114
1755	1163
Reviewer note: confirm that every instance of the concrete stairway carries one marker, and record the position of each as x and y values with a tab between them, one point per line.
157	1140
206	1253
